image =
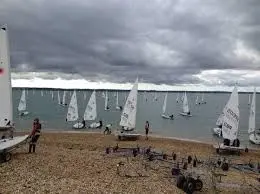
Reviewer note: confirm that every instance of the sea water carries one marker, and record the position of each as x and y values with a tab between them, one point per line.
198	127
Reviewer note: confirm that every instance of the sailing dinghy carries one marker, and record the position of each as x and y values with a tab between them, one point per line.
63	103
117	103
253	136
185	107
230	124
90	113
164	115
218	129
22	105
72	114
128	116
7	144
197	100
202	99
106	101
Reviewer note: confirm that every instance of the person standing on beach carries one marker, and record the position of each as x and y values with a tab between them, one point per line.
147	126
35	134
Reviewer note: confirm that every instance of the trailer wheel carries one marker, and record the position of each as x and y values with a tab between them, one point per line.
7	156
198	185
246	150
180	181
190	187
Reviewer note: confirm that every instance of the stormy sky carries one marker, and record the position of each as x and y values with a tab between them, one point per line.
209	42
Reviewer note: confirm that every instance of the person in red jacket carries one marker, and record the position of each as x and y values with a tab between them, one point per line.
35	134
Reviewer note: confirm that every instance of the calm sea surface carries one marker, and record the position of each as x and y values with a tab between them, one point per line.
197	127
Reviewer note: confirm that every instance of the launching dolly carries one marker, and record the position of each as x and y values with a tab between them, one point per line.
8	145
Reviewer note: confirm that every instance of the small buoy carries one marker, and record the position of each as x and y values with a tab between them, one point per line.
107	150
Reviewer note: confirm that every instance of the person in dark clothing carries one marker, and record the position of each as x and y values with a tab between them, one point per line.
107	131
171	117
120	107
147	126
83	123
35	134
188	113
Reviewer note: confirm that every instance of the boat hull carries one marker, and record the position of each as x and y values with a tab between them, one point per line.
94	125
217	131
8	144
255	139
24	113
185	114
167	117
78	126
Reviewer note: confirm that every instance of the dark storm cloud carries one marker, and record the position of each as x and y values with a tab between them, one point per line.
160	41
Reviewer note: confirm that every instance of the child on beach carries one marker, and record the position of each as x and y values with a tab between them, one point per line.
35	134
146	129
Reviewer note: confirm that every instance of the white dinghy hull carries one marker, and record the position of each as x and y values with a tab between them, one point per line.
167	117
127	135
24	113
78	126
217	131
94	125
7	145
254	138
185	114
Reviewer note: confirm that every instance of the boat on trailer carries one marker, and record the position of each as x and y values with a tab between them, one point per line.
230	124
128	116
7	144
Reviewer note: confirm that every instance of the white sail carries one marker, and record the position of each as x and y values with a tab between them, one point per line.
197	100
177	99
117	103
182	98
58	97
72	114
106	100
33	92
251	124
91	109
85	96
22	102
231	117
202	97
128	116
185	104
52	95
6	111
41	93
64	97
249	99
165	103
103	94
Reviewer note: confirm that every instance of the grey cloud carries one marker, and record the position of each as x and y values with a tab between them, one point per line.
159	41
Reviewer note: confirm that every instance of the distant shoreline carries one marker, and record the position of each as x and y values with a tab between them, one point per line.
125	90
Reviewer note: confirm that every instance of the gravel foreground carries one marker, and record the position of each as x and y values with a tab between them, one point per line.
77	163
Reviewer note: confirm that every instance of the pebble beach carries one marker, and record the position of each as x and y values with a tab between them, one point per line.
78	163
